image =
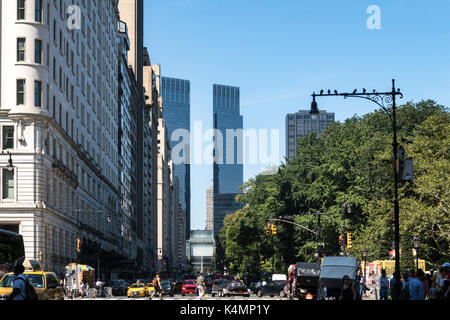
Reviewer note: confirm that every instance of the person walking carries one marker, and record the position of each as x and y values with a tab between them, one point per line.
74	288
414	287
201	286
445	281
19	290
348	292
383	283
157	286
82	288
421	277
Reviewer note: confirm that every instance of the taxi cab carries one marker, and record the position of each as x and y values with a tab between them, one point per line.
45	283
137	290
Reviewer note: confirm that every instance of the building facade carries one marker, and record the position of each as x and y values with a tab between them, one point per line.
210	208
301	124
201	249
61	128
177	115
228	169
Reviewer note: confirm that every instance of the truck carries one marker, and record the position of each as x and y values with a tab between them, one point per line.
307	280
332	271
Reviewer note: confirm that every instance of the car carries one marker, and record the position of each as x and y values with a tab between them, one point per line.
45	283
219	287
189	287
119	287
137	290
237	288
167	287
272	288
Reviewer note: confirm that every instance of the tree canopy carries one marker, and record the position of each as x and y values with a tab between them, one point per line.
351	163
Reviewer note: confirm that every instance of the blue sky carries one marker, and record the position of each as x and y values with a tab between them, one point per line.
279	52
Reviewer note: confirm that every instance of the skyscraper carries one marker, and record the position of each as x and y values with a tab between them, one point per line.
177	115
228	169
210	208
301	124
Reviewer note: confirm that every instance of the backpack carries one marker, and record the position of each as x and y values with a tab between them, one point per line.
404	295
30	293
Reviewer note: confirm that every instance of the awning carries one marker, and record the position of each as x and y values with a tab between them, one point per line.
81	267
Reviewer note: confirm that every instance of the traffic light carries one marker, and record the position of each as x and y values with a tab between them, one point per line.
274	230
78	245
268	229
349	240
341	240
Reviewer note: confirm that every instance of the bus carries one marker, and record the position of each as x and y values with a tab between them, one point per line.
11	249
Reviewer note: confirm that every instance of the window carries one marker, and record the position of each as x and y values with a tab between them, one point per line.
20	9
8	137
8	184
20	49
38	94
38	10
38	51
20	92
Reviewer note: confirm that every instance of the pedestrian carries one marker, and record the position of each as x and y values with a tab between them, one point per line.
421	277
157	287
74	288
446	281
201	286
82	287
86	289
348	292
362	284
19	289
371	285
383	283
435	289
416	291
405	286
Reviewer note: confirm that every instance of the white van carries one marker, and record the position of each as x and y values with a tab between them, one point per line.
279	277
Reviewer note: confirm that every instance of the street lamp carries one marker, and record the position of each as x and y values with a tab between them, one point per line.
386	100
416	247
10	165
364	254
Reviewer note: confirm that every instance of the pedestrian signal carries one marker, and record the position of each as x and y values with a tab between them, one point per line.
268	229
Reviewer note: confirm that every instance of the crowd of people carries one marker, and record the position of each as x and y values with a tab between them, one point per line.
83	290
416	285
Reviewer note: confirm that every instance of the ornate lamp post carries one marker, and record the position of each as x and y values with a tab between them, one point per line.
364	254
416	247
387	102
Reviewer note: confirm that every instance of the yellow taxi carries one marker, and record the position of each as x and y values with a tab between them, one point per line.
44	282
137	290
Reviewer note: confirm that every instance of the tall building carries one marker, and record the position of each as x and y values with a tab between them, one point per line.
210	208
127	146
200	249
228	164
132	13
177	115
228	169
301	124
59	120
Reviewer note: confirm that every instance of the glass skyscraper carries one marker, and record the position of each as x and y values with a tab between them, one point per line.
228	169
301	124
176	95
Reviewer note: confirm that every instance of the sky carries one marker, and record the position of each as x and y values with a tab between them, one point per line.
279	52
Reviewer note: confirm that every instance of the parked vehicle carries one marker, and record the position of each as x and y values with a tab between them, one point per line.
177	286
189	287
272	288
253	287
332	271
237	288
219	287
307	285
279	277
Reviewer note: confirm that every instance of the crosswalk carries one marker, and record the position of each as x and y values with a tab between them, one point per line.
181	298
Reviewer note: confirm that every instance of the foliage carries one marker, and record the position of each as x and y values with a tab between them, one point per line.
352	163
